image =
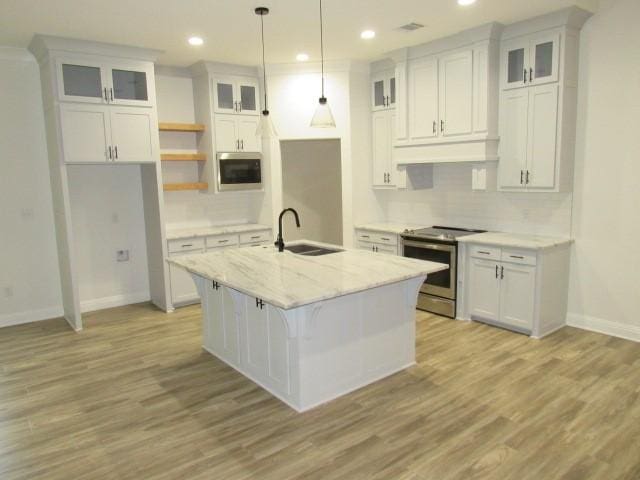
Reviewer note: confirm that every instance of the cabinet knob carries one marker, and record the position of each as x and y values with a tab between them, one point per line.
525	75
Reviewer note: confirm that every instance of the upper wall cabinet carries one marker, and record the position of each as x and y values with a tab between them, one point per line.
531	60
538	102
383	90
236	95
94	80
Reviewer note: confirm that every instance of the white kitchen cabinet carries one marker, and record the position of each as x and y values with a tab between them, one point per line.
484	293
86	133
383	90
132	131
521	289
221	334
91	79
383	127
423	121
455	93
528	144
183	289
236	133
236	95
377	242
531	60
103	134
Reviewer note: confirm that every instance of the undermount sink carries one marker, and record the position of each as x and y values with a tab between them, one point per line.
310	250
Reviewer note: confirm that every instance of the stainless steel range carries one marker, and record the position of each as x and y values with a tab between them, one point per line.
436	244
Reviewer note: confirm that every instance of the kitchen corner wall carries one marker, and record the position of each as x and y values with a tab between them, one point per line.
451	202
605	266
29	275
174	92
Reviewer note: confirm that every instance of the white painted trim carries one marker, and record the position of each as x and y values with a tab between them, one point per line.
114	301
29	316
607	327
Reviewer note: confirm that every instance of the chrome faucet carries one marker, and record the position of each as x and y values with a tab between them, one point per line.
280	242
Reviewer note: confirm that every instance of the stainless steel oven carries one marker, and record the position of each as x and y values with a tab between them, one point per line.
239	171
436	244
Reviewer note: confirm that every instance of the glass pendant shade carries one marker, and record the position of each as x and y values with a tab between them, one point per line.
323	118
266	128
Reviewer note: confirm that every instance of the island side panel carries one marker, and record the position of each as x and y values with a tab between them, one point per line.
348	342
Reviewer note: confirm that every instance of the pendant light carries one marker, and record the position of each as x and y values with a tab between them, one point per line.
265	129
322	118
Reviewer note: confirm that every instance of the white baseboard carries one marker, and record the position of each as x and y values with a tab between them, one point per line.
600	325
114	301
19	318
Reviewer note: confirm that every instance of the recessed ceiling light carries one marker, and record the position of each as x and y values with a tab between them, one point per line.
367	34
195	41
466	2
302	57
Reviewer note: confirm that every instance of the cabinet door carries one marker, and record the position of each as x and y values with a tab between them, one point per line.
381	134
391	91
514	119
130	85
81	81
86	134
543	63
517	295
248	96
222	332
183	288
542	136
484	289
378	92
515	63
423	99
227	139
387	249
132	131
224	95
456	94
249	141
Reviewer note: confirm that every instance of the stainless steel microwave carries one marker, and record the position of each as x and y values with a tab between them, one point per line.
239	171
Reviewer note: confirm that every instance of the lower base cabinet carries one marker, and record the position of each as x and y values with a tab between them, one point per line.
377	242
521	290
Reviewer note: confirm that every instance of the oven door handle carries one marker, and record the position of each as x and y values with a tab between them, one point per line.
429	246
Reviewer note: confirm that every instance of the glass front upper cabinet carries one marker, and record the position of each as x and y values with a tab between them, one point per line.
81	82
530	60
383	90
129	86
238	95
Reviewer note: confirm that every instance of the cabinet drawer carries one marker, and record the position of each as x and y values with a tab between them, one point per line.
222	241
482	251
376	237
186	244
255	237
523	257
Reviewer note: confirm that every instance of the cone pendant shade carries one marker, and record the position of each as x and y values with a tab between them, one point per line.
323	118
266	128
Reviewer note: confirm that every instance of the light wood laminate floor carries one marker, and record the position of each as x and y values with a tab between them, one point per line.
134	397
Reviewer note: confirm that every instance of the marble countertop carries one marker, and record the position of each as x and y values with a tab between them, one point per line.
390	227
515	240
288	280
174	233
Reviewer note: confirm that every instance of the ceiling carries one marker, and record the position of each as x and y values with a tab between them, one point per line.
231	30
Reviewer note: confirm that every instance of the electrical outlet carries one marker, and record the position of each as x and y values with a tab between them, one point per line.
8	292
122	255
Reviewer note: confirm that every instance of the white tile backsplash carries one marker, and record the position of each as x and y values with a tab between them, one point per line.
451	202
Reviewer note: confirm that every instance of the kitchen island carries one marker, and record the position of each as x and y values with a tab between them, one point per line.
306	328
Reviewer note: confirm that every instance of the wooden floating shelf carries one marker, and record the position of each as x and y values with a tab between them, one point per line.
183	157
180	127
174	187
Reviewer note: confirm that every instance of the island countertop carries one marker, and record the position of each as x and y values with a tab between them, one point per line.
288	280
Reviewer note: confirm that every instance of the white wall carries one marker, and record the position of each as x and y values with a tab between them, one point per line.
174	91
311	184
107	215
451	202
29	275
605	278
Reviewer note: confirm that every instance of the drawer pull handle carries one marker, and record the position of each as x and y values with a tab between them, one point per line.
385	239
257	236
365	236
517	256
187	245
223	241
483	252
